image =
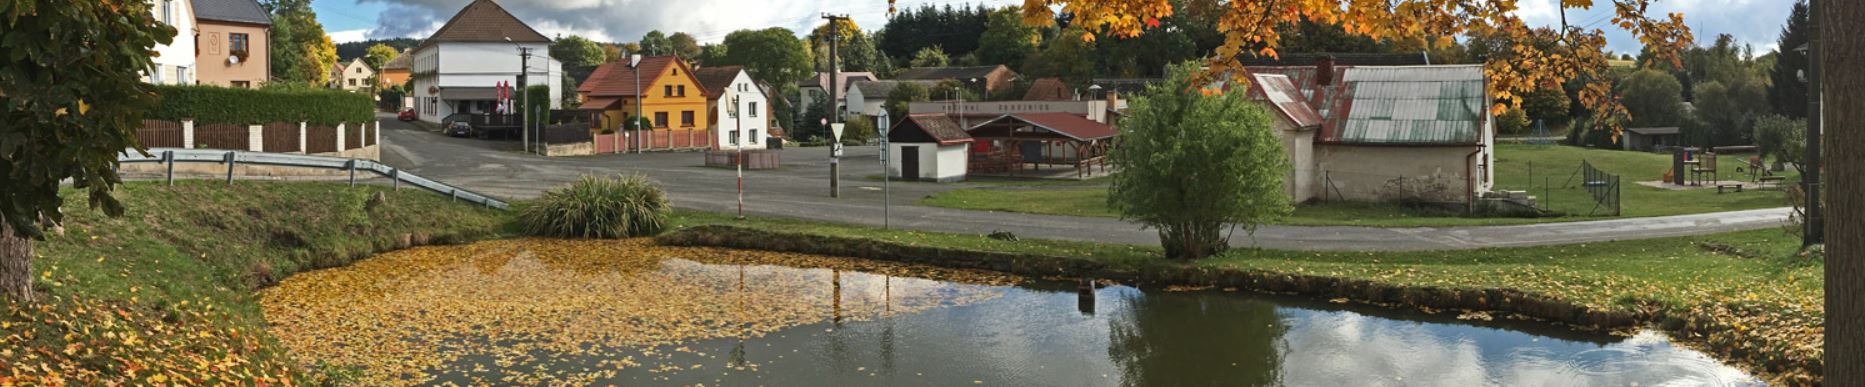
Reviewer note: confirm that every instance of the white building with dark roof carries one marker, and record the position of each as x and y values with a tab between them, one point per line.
459	67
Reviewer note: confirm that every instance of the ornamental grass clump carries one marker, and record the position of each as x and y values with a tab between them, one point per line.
594	207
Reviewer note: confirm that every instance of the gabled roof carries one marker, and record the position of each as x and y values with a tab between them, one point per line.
821	80
875	90
1068	125
237	11
1285	99
1048	89
485	21
716	79
402	61
942	73
928	127
618	80
1394	105
1340	59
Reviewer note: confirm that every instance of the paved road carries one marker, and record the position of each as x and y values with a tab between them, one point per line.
800	190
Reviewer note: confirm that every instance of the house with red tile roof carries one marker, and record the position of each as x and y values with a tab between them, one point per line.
663	89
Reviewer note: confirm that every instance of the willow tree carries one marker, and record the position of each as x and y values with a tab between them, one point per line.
73	92
1250	28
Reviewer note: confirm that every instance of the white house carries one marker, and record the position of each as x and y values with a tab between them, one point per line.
929	147
354	76
174	64
869	98
458	69
812	88
752	127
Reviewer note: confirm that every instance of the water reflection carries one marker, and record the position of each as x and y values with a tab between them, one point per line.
533	312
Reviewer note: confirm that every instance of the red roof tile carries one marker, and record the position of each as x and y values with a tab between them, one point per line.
1066	124
716	79
1286	99
618	80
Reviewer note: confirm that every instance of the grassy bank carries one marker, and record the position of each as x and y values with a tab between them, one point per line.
164	294
1744	296
1546	171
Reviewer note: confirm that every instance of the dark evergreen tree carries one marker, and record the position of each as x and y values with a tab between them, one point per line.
1788	95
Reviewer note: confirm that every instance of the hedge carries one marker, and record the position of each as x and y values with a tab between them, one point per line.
224	105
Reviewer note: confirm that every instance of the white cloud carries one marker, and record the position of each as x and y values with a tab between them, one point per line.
347	36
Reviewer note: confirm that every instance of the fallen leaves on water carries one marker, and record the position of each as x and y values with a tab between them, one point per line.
420	314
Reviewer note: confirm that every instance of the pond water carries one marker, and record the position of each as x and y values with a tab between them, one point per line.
628	313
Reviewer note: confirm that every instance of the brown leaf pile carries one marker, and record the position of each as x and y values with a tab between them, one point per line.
406	316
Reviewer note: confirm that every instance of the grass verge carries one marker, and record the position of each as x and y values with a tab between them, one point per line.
1744	296
164	293
1533	168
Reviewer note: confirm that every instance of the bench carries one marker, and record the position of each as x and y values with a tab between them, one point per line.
1721	187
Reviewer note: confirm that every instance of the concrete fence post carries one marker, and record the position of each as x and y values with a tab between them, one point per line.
303	148
187	133
255	138
377	141
340	130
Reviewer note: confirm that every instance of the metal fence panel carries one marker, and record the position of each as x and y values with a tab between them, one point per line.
176	155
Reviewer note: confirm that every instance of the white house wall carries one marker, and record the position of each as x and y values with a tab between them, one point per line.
943	163
753	129
478	65
1373	173
1299	147
175	61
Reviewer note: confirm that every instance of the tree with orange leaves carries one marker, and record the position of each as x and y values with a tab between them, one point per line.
1249	28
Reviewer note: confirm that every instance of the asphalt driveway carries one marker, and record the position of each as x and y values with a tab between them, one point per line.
800	190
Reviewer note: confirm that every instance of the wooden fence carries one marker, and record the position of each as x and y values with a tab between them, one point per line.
653	140
281	137
160	134
222	136
320	139
277	137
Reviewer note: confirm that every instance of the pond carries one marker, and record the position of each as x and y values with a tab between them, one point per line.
631	313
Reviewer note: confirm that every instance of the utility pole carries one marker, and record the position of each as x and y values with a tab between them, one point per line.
1810	178
524	68
835	111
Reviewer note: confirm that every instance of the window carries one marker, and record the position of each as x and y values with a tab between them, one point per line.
686	118
181	75
682	90
168	12
734	138
236	42
660	119
243	84
754	136
667	91
155	74
754	109
352	81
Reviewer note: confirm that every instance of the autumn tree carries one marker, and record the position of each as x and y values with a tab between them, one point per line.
300	50
930	57
684	46
1194	164
74	97
379	54
1006	40
1068	57
655	43
1250	28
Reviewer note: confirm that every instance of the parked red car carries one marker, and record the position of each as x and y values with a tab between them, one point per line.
406	115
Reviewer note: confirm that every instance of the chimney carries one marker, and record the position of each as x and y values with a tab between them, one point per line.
1324	70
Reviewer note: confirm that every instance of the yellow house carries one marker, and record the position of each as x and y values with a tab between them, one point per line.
669	95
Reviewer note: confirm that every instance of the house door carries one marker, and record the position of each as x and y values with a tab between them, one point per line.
910	162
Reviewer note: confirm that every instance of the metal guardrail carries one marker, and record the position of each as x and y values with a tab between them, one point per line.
172	156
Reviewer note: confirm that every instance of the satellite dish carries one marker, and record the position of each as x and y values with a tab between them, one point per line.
234	59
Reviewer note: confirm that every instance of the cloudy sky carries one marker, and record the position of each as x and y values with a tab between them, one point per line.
1757	22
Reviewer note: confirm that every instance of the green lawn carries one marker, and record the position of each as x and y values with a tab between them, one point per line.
1546	171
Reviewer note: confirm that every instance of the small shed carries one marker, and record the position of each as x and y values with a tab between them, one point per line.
1022	141
1295	128
1651	139
928	147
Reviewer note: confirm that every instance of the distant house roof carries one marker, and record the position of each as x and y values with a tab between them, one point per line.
1394	105
1654	131
401	62
881	88
1048	89
716	79
1286	99
1068	125
1340	59
1123	85
821	80
237	11
618	80
485	21
943	73
929	127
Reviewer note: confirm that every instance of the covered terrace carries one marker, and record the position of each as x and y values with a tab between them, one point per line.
1019	143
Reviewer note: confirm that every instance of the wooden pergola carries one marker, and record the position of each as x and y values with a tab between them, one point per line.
1019	142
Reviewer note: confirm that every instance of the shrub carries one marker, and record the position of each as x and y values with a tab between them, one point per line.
224	105
1192	165
623	206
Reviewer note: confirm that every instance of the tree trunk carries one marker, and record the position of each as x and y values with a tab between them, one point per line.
15	264
1842	48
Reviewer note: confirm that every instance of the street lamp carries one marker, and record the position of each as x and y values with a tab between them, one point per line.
634	64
